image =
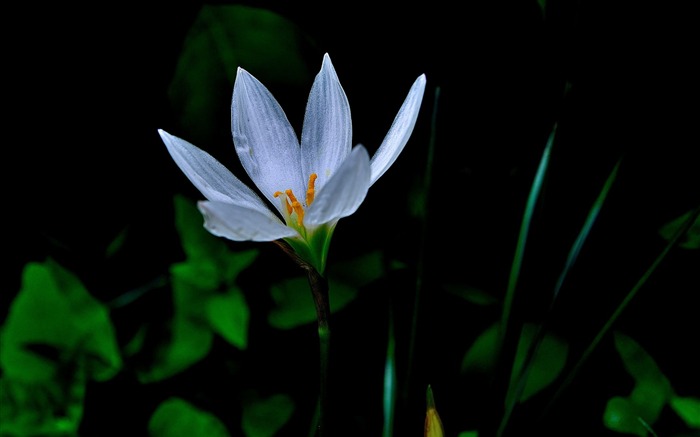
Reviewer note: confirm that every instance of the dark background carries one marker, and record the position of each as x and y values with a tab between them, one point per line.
87	88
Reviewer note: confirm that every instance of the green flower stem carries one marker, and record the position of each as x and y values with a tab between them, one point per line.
319	290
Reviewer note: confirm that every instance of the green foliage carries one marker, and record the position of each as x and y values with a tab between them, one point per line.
74	326
222	38
688	408
691	239
263	417
176	417
294	305
55	338
651	393
207	300
471	294
481	356
547	364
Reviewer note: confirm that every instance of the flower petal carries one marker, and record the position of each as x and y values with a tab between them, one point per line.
210	177
265	141
344	192
326	139
239	223
400	130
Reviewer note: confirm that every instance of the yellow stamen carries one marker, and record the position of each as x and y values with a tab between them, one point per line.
311	191
291	202
296	206
289	207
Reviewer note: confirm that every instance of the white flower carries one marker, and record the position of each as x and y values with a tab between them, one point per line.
312	185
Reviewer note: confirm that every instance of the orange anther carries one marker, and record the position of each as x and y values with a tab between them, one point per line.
286	201
296	206
311	191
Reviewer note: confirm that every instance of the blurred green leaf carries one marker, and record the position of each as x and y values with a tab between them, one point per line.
209	260
473	295
294	305
623	416
263	417
228	316
222	38
117	243
176	417
206	299
482	355
649	398
691	239
651	392
52	408
547	363
73	322
641	366
468	434
688	408
359	271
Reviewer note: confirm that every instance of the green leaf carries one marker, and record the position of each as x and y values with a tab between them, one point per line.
191	337
294	304
72	322
523	235
482	355
650	393
547	363
691	239
359	271
222	38
228	316
176	417
197	243
688	409
468	434
623	416
188	344
51	408
641	366
649	399
212	261
263	417
473	295
205	297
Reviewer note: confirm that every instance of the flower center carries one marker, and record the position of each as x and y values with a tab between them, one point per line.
291	203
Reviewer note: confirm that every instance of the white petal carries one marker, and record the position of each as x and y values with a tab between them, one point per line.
344	192
242	224
265	141
326	139
400	130
210	177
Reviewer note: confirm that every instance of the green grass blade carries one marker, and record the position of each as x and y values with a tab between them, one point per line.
593	213
420	265
628	298
585	230
390	382
522	237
